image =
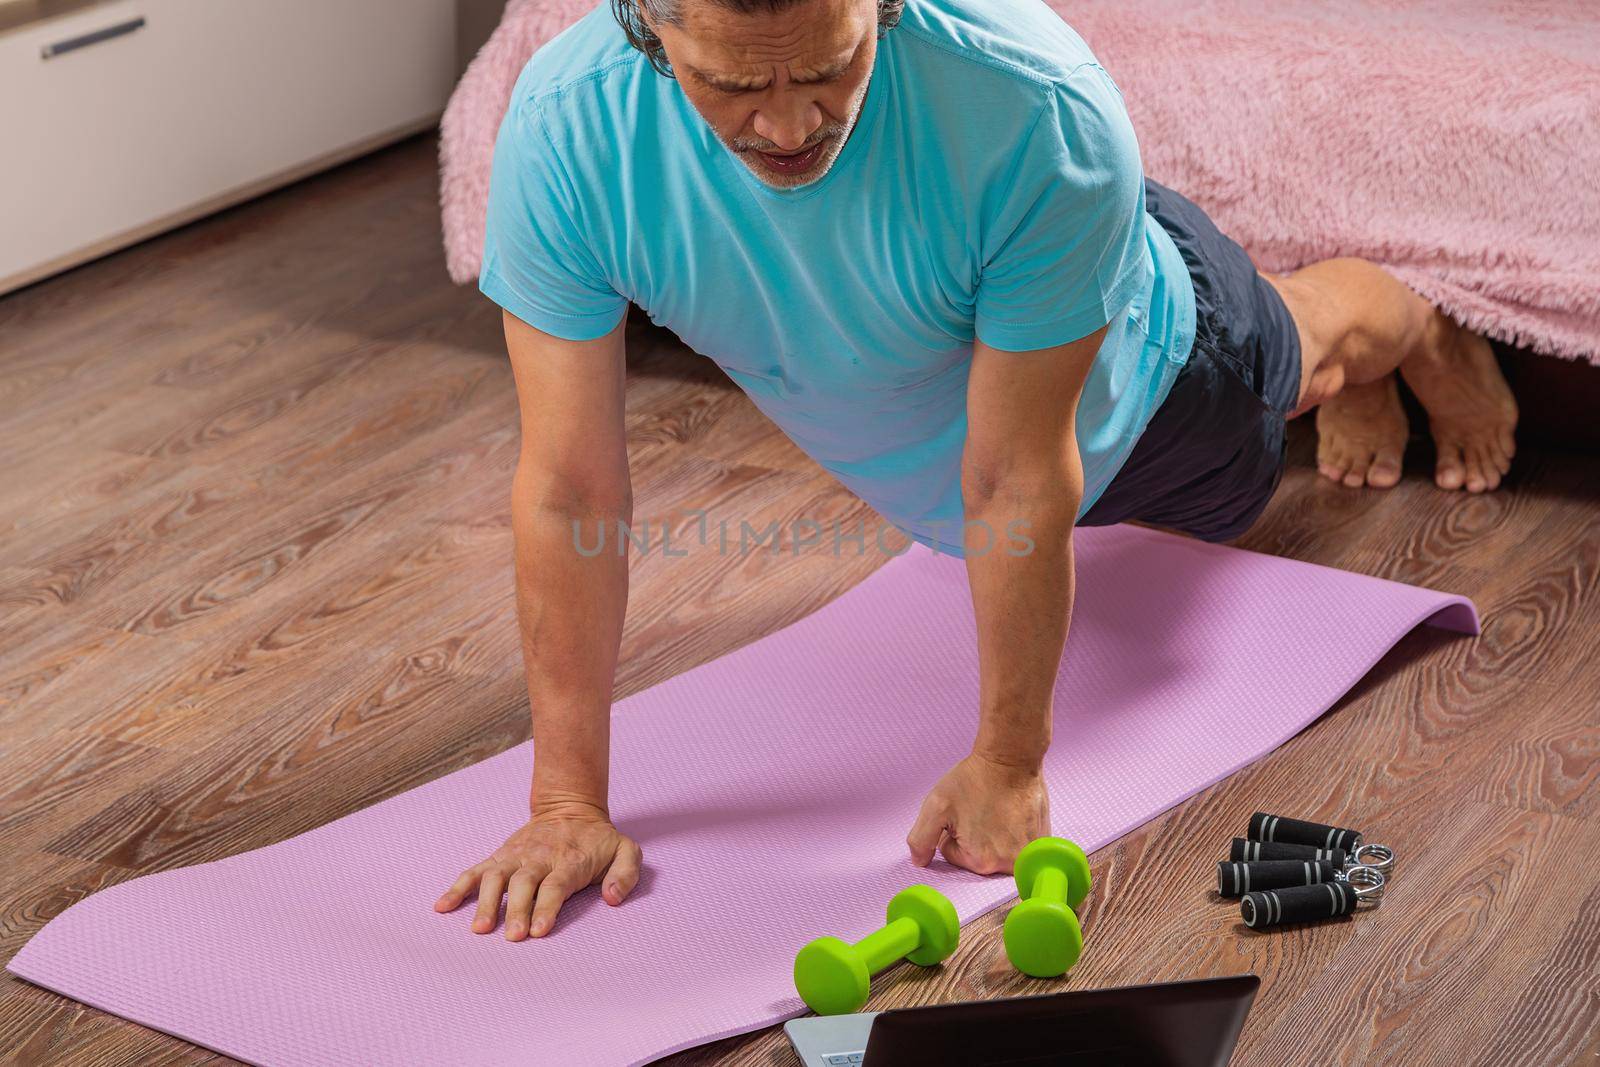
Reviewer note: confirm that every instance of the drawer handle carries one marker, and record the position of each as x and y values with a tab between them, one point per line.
72	44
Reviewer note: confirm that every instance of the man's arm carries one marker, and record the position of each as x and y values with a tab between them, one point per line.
573	469
1021	473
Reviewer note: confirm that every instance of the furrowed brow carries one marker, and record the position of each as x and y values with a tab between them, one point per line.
829	72
730	84
735	84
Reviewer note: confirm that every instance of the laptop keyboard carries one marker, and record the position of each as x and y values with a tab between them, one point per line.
843	1059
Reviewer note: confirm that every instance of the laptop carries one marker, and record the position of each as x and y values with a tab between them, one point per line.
1173	1024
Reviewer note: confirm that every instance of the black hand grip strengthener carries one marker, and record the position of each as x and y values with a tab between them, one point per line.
1238	879
1264	827
1251	851
1306	903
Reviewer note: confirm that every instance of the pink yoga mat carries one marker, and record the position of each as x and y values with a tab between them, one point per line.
772	791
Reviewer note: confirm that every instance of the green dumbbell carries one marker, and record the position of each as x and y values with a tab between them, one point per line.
834	977
1042	935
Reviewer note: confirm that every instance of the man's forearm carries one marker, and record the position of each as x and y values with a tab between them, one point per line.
570	606
1023	605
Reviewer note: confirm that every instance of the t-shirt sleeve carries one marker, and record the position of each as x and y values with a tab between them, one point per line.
1064	246
536	262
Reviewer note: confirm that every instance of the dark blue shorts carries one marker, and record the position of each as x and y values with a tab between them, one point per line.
1213	452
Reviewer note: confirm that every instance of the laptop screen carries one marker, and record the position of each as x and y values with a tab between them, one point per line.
1173	1024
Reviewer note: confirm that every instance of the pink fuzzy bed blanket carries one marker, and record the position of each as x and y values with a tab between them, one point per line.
1456	142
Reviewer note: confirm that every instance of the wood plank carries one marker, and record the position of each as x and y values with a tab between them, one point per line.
1477	908
52	660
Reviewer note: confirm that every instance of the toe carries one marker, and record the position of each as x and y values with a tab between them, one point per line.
1356	476
1496	463
1450	470
1488	467
1477	479
1508	444
1385	470
1492	459
1502	454
1333	463
1328	455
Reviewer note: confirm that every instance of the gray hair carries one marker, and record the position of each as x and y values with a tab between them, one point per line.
670	12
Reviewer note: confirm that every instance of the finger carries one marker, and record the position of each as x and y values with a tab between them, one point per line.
624	873
519	901
975	860
953	853
553	892
458	892
923	840
489	893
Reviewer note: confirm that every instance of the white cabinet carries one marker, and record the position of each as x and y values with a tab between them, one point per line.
186	106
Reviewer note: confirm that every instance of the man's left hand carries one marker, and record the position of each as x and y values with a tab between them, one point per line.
979	816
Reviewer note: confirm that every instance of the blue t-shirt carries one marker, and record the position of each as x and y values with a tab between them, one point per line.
991	187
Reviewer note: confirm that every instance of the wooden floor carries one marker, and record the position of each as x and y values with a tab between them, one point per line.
255	574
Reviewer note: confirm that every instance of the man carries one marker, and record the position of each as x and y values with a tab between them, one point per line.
920	239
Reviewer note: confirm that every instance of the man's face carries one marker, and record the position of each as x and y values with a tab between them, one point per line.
781	91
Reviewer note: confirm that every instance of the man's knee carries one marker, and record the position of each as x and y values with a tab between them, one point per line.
1318	385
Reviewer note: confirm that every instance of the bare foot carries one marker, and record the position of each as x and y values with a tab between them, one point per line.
1361	434
1471	412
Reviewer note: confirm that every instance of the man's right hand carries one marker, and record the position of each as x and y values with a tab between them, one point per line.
560	850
